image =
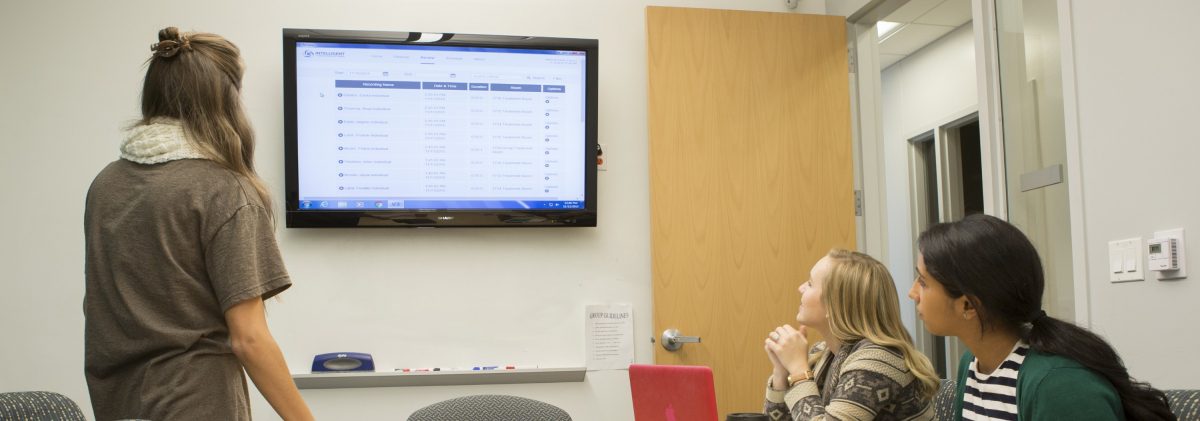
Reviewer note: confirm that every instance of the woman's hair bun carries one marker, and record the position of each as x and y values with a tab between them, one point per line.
170	43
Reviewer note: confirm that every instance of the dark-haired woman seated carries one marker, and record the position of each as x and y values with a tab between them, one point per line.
980	279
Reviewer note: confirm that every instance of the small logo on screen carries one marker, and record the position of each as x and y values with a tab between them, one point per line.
311	53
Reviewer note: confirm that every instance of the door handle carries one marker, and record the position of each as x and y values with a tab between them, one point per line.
672	340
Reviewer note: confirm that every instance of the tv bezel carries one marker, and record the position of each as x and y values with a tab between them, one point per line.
406	218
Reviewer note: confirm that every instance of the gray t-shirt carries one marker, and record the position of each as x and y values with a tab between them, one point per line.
170	247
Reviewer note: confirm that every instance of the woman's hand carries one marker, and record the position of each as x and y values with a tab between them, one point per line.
779	373
788	349
776	365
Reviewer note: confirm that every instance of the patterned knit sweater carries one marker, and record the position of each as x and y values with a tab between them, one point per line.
862	381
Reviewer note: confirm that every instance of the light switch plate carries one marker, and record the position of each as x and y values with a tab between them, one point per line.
1181	273
1125	262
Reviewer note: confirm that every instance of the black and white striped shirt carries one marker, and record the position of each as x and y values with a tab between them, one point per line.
994	396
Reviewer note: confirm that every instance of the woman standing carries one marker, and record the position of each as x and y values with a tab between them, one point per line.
181	252
980	279
866	368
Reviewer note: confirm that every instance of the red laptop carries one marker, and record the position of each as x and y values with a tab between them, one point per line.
672	393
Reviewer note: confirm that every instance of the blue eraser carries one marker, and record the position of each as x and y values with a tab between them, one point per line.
343	361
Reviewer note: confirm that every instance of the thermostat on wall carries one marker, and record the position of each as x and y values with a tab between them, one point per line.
1164	254
1167	252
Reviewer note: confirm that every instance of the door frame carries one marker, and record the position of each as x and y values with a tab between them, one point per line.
1079	251
947	164
867	133
867	116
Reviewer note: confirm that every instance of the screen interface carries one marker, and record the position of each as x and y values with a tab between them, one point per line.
383	126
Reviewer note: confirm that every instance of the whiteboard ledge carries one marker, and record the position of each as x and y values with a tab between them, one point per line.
438	378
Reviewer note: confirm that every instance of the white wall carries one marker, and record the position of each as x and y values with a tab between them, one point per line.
1135	78
926	89
844	7
70	79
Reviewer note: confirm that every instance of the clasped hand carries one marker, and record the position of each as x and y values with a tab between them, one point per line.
787	348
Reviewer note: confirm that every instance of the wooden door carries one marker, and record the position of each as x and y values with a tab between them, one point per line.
751	179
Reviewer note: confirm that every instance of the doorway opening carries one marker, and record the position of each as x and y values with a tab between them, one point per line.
946	182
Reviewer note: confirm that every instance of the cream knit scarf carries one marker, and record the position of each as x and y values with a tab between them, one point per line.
160	141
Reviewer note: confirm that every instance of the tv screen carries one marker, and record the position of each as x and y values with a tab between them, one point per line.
406	129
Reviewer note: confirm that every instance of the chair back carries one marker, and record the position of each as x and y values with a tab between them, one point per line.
38	406
943	401
490	408
1185	404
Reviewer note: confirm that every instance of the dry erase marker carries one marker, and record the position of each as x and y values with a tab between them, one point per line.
413	370
484	368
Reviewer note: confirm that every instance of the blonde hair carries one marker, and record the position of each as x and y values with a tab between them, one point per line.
861	299
196	78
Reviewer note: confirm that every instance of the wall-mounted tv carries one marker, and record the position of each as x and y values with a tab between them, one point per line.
408	129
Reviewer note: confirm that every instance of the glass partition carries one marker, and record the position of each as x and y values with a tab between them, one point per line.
1034	140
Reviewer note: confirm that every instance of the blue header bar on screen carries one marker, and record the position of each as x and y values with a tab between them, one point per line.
377	84
446	86
509	87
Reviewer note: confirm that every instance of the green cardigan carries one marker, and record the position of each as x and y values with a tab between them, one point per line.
1051	387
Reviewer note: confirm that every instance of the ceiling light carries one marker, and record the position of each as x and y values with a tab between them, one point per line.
886	28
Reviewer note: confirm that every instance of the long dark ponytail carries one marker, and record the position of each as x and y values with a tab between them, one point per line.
998	269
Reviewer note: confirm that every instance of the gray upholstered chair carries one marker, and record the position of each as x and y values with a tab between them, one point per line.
490	408
943	401
1185	404
38	406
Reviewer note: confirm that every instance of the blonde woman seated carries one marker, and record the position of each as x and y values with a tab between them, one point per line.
866	368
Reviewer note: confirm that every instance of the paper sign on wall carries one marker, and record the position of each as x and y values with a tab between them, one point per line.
609	336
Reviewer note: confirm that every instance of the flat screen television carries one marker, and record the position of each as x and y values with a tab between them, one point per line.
407	129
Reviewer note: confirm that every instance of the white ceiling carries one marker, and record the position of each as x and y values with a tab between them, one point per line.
921	23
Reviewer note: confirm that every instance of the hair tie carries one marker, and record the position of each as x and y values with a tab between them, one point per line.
165	49
169	48
1041	314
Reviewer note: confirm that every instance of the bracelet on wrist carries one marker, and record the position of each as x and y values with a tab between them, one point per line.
793	379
